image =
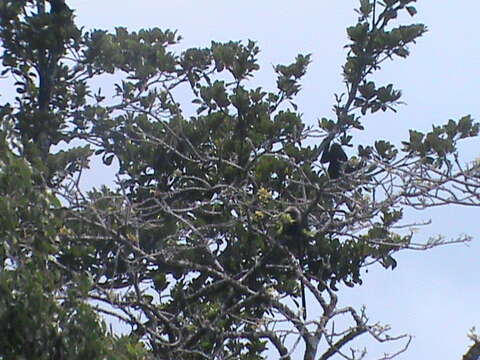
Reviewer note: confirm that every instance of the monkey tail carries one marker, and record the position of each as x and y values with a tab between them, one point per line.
301	254
304	303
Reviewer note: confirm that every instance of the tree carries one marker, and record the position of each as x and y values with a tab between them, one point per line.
474	350
194	247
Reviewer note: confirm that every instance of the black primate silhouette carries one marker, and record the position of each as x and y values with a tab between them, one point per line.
296	242
335	156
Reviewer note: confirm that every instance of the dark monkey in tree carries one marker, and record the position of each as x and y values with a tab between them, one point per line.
296	238
335	156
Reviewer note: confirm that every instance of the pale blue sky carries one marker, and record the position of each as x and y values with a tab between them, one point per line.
433	295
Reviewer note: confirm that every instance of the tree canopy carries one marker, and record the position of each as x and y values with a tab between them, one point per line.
221	220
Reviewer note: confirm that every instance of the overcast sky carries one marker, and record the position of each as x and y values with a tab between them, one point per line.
432	295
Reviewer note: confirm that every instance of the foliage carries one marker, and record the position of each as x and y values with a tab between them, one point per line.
194	248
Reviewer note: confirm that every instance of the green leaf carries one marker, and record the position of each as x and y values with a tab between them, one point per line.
107	160
411	10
